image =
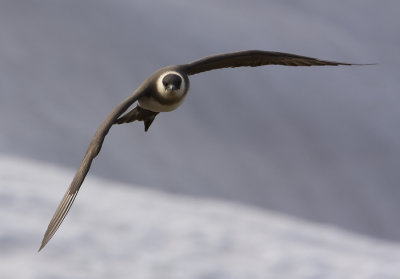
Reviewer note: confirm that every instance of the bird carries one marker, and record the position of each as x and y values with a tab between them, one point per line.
163	91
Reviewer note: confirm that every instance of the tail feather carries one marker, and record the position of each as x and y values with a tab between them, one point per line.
139	114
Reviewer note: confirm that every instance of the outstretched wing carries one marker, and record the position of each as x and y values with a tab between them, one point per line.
91	153
254	58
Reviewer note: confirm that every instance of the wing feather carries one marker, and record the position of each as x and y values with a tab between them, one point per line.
254	58
92	151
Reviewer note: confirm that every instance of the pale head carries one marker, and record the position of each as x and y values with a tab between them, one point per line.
168	89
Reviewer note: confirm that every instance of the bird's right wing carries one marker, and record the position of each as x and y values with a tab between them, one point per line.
92	151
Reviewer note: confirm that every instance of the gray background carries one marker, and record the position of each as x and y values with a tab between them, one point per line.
317	143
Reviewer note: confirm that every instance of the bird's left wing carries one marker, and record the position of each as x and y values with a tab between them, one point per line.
92	151
254	58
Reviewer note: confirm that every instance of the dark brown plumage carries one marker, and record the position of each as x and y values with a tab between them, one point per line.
92	151
254	58
157	94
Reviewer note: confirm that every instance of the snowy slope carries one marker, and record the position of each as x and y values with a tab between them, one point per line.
321	144
115	231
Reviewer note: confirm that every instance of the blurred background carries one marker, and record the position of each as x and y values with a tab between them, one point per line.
320	144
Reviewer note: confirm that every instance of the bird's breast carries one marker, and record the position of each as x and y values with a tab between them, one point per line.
155	104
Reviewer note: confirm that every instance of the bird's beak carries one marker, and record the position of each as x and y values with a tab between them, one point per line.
170	88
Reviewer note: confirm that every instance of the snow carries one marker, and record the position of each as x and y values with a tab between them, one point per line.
115	230
317	143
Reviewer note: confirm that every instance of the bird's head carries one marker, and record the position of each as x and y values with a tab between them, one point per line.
172	85
166	89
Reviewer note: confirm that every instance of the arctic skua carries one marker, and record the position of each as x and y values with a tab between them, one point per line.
164	91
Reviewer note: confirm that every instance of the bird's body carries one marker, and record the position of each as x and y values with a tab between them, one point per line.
163	91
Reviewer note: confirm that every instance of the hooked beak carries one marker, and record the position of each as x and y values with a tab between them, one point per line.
170	88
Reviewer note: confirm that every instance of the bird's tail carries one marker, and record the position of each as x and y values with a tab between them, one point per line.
139	114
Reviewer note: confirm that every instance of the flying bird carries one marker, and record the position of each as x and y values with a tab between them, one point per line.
164	91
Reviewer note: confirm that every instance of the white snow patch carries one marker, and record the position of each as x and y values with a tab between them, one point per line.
114	231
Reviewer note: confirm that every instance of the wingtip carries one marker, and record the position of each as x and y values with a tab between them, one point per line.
43	244
41	247
367	64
